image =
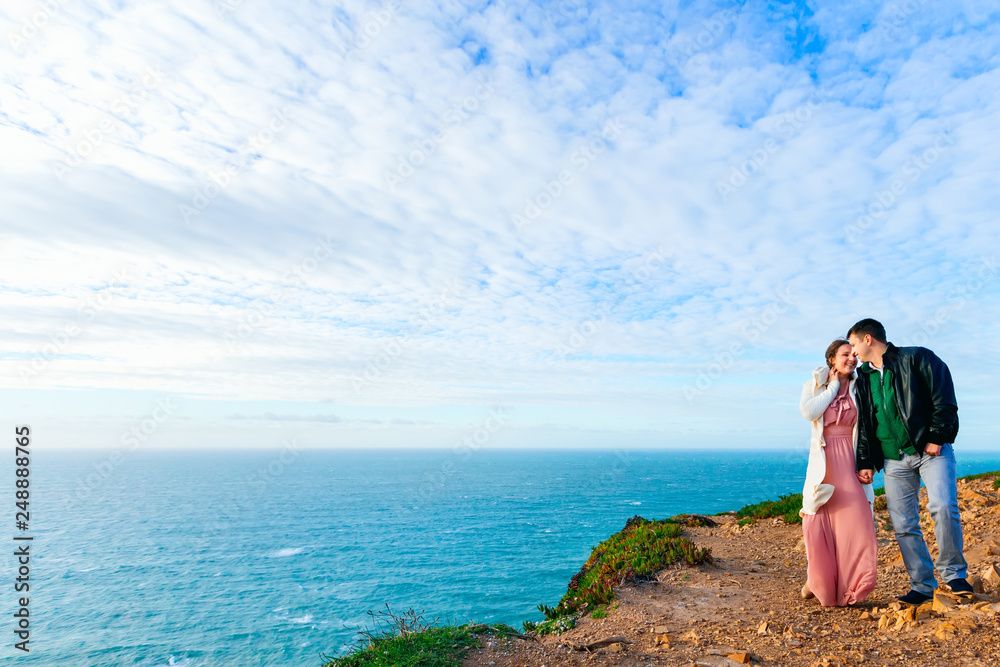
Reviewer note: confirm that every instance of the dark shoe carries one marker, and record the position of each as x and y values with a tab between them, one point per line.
914	597
960	587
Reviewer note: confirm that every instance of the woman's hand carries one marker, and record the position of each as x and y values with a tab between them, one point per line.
842	377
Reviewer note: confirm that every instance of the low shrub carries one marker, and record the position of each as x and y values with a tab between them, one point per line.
635	553
405	640
787	507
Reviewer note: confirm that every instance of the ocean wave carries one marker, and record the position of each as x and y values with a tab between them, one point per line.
286	552
173	662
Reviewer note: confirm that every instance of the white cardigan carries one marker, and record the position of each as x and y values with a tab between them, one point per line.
817	394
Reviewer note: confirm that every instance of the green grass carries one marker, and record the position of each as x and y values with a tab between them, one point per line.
435	647
600	612
981	475
635	553
787	507
405	640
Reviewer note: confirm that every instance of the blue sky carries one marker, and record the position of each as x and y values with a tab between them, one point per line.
371	224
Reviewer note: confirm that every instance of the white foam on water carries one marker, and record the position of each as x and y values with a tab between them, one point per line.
174	662
285	553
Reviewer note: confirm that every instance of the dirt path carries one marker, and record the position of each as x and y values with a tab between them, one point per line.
744	608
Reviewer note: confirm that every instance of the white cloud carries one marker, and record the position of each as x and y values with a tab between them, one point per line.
821	113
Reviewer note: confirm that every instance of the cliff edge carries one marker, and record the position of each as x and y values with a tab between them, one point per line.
743	607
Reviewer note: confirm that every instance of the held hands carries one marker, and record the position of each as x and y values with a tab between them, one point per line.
866	476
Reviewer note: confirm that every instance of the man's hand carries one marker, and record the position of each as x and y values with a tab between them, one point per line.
866	476
932	450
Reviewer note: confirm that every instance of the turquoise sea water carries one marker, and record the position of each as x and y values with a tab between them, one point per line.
268	558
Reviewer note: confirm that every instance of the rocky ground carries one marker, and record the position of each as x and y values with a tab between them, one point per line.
745	608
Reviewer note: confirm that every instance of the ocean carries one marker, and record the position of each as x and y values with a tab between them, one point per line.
275	558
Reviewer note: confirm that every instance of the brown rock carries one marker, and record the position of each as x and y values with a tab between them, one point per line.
991	574
964	623
714	661
993	549
763	628
971	496
660	629
945	602
742	658
945	630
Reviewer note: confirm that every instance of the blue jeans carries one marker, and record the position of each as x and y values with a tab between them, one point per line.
902	488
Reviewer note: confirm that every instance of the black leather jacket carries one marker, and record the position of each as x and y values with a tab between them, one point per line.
925	398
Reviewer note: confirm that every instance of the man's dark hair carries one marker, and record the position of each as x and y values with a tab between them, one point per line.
868	327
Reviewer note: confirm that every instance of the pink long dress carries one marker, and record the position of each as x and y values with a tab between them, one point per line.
840	537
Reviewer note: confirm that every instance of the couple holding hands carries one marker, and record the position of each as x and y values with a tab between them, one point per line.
897	412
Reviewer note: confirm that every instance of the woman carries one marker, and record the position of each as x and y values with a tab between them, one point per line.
837	523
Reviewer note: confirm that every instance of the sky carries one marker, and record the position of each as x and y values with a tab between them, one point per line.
240	223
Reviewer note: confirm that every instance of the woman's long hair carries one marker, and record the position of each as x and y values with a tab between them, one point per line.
831	352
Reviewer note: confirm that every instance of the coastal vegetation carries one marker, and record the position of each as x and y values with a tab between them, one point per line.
787	507
986	475
636	553
406	640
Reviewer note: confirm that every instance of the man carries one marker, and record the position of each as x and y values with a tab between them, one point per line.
907	420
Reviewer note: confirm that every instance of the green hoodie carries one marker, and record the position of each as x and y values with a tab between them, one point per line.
889	428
